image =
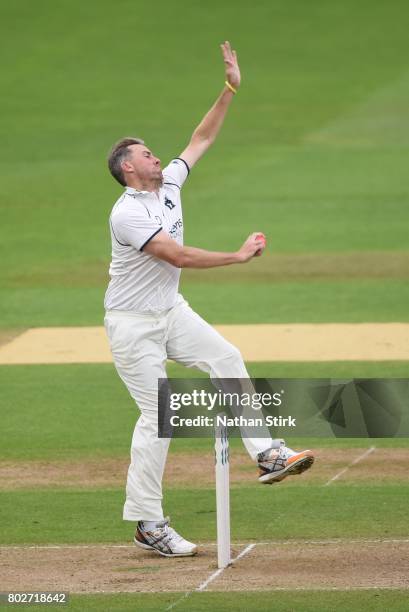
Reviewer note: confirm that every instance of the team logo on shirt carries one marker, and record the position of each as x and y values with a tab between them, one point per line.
169	203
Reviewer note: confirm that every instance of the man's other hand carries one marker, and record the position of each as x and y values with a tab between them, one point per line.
253	246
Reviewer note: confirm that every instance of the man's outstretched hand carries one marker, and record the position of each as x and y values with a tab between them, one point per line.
205	133
231	65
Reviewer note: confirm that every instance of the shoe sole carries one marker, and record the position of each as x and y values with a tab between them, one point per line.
297	467
153	549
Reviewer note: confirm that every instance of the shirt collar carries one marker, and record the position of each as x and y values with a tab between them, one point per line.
135	192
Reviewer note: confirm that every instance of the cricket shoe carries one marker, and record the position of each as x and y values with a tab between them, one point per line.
278	462
164	540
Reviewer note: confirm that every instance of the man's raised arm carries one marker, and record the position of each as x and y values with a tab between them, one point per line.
207	130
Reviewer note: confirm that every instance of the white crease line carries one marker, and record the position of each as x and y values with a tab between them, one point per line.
266	543
66	546
336	541
372	587
345	588
212	577
354	462
404	587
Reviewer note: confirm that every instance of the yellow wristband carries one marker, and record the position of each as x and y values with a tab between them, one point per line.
233	89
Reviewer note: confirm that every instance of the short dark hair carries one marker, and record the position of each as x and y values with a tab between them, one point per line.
118	153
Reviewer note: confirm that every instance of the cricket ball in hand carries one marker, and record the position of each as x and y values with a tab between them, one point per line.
263	238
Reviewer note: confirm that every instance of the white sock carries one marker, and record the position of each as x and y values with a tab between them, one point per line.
148	525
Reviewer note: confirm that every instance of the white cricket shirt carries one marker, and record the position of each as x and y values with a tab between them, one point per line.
140	282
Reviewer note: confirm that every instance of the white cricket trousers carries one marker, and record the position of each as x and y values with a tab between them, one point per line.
140	345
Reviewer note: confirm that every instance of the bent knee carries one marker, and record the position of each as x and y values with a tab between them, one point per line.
233	353
229	363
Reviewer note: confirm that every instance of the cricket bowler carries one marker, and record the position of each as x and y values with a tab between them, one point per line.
147	321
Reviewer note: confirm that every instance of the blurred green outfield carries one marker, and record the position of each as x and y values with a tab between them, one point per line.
314	153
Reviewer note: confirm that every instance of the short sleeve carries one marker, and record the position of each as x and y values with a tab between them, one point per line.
176	172
134	227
